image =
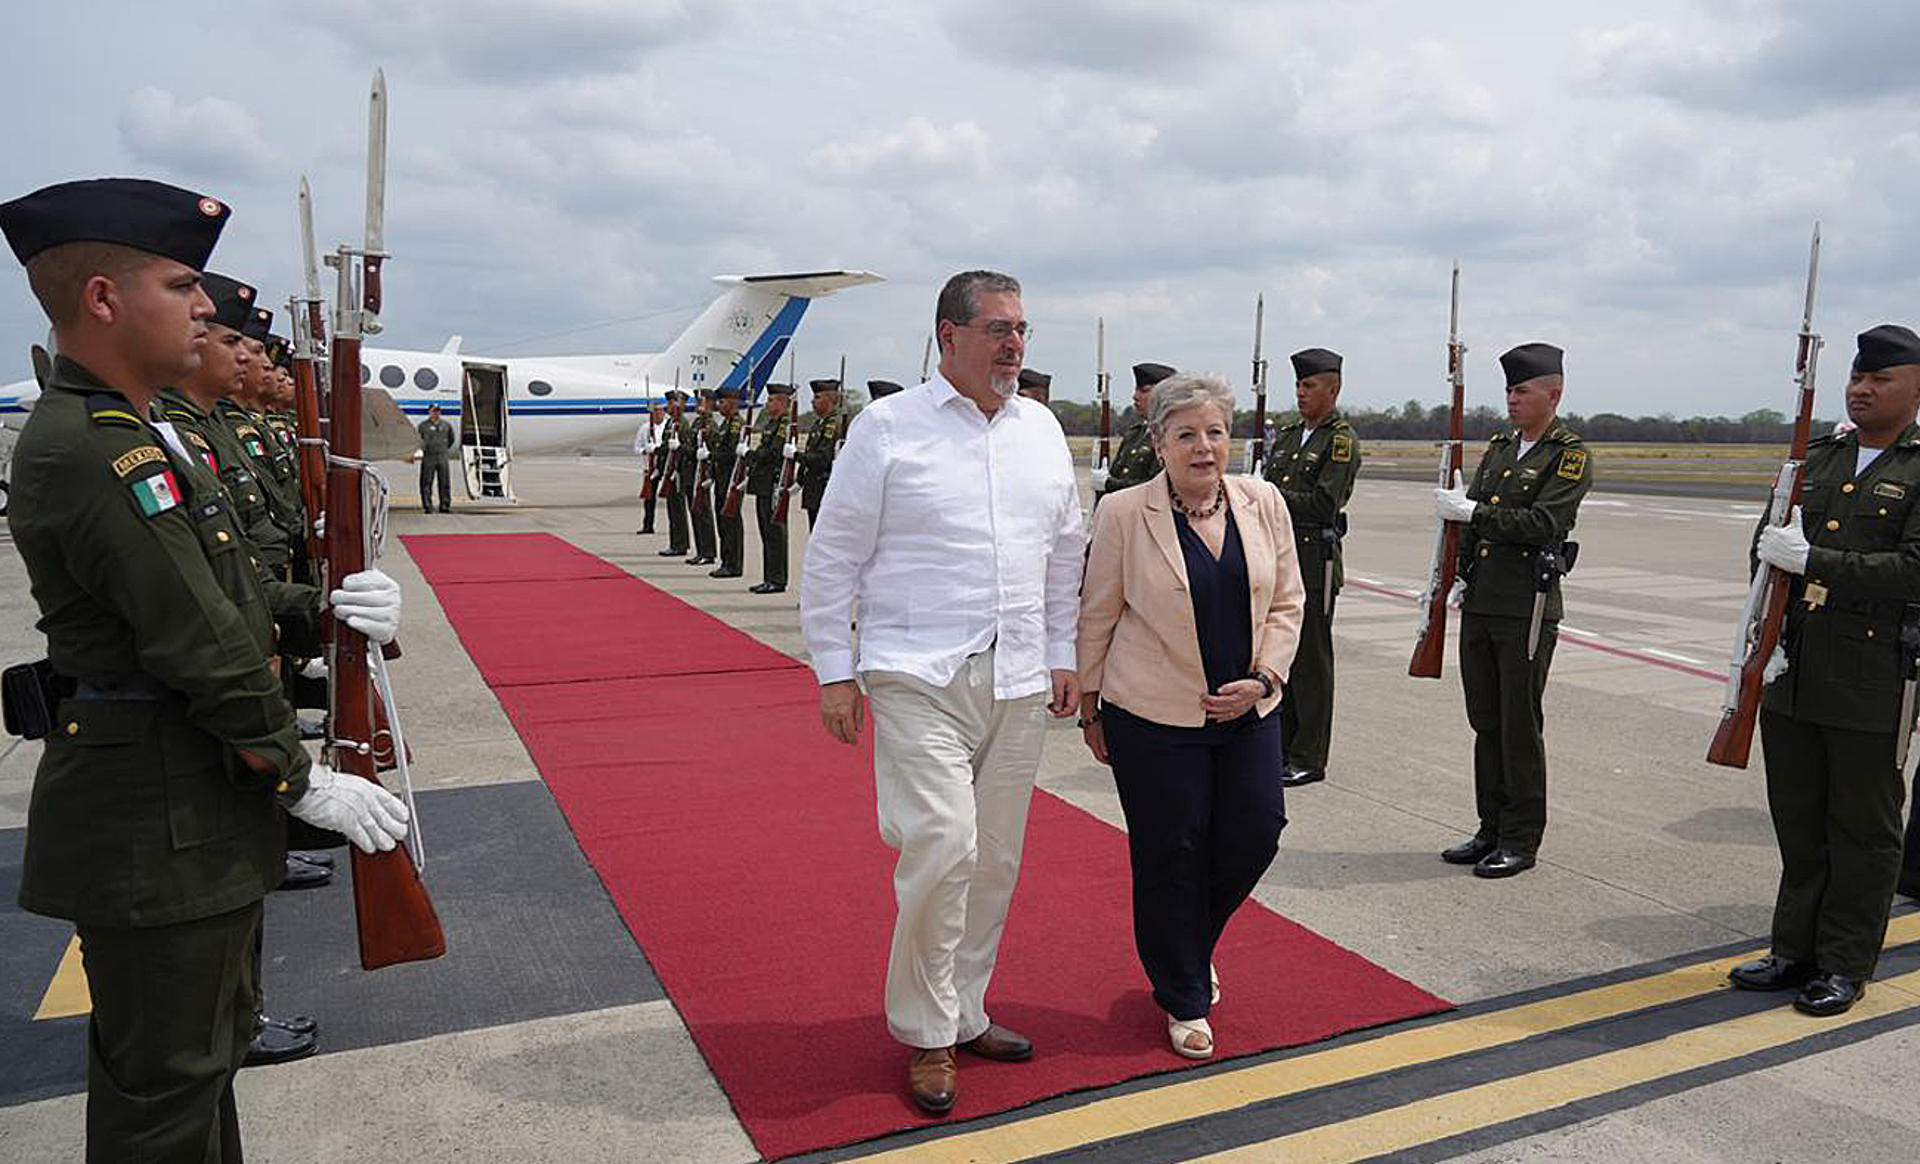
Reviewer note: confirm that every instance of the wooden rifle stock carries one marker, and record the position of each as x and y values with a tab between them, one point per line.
737	480
1764	616
789	475
1431	647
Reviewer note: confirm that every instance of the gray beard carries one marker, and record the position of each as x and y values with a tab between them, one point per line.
1005	388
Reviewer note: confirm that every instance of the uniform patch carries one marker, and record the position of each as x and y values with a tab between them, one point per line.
157	494
1342	450
1891	489
1573	464
144	455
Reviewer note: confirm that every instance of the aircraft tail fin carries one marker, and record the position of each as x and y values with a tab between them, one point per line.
739	339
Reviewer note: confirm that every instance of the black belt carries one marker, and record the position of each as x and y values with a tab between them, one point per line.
137	687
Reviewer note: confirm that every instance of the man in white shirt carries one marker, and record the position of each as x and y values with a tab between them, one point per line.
953	519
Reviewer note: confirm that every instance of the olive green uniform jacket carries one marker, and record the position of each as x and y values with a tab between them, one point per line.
816	457
141	812
1134	462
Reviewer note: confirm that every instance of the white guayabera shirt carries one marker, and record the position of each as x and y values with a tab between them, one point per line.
954	533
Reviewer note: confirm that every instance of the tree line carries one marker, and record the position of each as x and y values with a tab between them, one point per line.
1416	420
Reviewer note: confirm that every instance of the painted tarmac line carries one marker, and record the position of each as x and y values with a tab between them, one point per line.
1469	1109
1217	1094
1573	635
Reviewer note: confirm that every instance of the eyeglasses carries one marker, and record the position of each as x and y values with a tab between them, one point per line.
1001	330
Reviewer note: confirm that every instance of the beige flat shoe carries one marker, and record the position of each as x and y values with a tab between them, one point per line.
1213	978
1191	1039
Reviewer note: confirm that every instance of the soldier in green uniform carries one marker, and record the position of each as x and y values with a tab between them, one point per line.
829	428
1313	463
727	442
699	501
1521	506
437	441
1830	721
677	432
1134	462
765	461
155	823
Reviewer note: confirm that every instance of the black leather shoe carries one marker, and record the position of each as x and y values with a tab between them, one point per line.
1295	777
293	1024
767	588
312	857
645	529
1503	863
671	552
1469	851
1827	995
723	572
1772	973
275	1045
698	560
301	875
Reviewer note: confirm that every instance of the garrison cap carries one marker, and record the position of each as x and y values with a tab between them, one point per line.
1887	346
1032	379
879	388
727	392
779	389
258	325
232	300
1530	360
1313	361
279	351
824	385
1147	375
679	394
131	212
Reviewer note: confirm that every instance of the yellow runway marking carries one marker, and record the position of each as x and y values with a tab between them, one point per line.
67	994
1472	1108
1172	1103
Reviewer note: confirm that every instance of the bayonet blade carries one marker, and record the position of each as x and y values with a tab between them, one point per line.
1100	347
1259	324
309	259
1813	275
377	165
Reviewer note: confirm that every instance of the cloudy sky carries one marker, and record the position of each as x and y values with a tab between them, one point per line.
1634	181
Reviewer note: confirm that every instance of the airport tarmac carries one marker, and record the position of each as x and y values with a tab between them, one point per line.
1654	863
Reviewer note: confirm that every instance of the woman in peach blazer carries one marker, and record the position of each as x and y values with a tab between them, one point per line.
1189	619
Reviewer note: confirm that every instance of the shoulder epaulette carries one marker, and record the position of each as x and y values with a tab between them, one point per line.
1341	425
1501	437
1830	438
111	408
1567	436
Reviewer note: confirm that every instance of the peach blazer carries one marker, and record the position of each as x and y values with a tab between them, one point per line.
1138	645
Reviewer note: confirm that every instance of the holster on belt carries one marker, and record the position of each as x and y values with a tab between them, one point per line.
28	694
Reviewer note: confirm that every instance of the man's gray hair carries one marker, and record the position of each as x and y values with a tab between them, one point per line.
960	298
1183	390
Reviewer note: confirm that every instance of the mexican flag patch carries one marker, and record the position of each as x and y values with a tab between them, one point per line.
157	494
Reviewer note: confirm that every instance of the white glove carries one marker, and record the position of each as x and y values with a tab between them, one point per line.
1452	504
314	669
369	602
1458	594
789	450
356	808
1785	546
1099	479
740	450
320	525
701	453
1843	427
673	446
1776	666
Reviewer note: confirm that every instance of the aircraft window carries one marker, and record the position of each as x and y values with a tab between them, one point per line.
366	374
426	379
392	376
540	388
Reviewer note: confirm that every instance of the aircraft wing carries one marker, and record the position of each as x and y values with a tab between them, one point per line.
386	434
805	285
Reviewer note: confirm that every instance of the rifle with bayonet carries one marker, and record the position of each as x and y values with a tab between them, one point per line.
395	917
1103	392
670	447
307	312
650	468
1765	612
702	499
1432	643
789	461
926	362
737	479
1257	451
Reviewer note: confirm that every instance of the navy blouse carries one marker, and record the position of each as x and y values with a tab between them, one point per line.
1221	602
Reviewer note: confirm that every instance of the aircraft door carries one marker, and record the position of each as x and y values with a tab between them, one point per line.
484	452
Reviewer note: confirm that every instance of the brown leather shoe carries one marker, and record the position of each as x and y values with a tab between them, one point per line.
933	1079
1000	1044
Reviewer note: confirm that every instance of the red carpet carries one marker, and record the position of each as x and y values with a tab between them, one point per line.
742	852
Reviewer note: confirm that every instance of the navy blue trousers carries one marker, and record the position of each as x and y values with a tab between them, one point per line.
1204	810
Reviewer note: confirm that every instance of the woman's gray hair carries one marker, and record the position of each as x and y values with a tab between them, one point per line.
1183	390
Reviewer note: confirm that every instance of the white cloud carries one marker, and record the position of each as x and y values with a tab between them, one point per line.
209	136
919	151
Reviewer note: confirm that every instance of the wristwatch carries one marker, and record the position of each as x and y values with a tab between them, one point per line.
1266	684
